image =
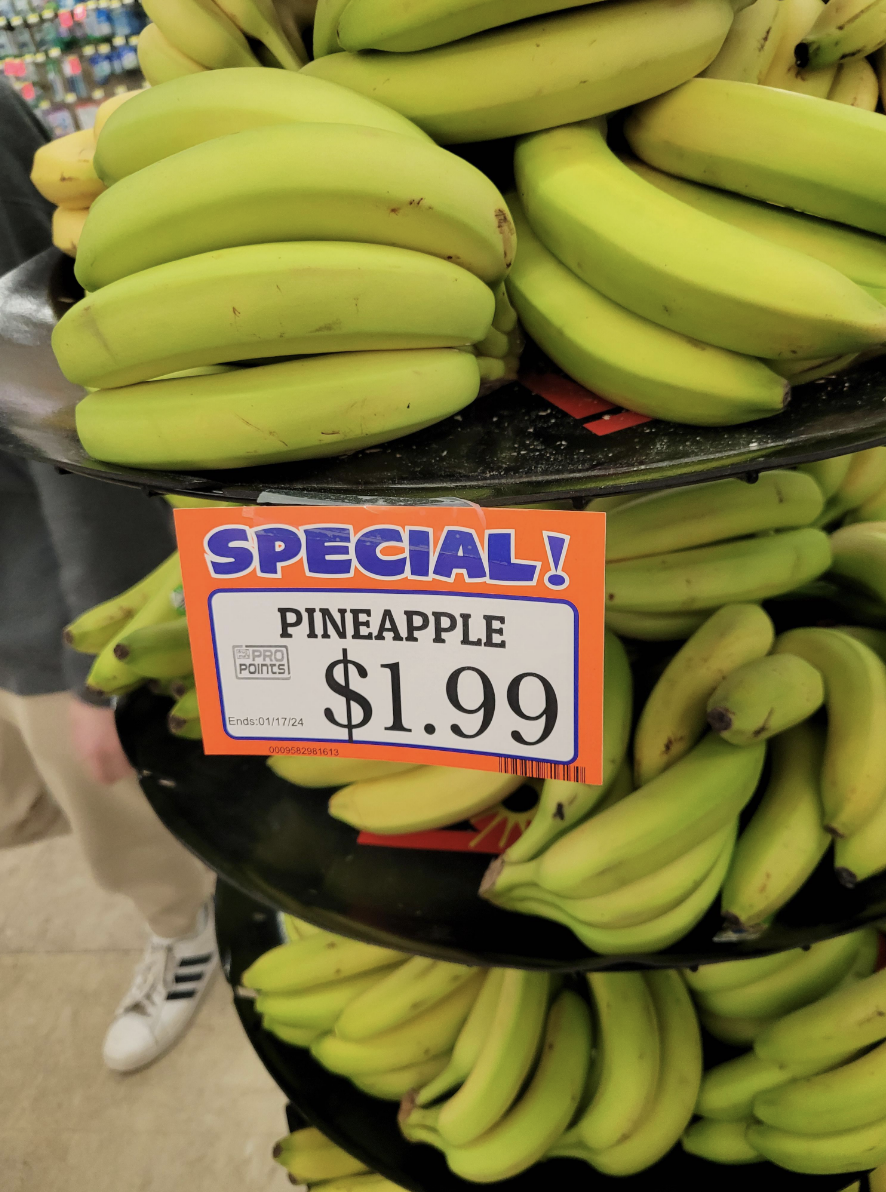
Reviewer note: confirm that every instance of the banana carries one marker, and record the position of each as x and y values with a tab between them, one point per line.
63	170
673	717
304	770
860	557
748	569
784	841
157	651
865	476
506	1057
825	1154
319	1006
468	1044
420	1038
845	29
310	1156
99	626
846	1020
769	144
650	253
428	797
861	855
396	1084
162	62
676	1092
750	44
561	805
861	256
871	510
264	300
326	21
184	717
784	72
317	960
543	72
702	514
198	108
67	227
654	627
829	474
300	409
370	1182
107	109
737	1032
258	20
765	697
200	30
809	978
544	1110
409	990
801	372
728	1091
627	1036
732	973
298	182
856	84
629	359
853	781
295	1036
720	1142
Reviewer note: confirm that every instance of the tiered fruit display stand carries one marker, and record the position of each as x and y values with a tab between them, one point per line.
275	846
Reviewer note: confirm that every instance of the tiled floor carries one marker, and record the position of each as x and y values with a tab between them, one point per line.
203	1119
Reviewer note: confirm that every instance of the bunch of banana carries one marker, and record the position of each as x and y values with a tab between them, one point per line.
312	1158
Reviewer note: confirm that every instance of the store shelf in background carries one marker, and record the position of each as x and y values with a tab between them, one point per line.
367	1128
508	448
276	842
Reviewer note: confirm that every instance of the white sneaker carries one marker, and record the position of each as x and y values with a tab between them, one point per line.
167	988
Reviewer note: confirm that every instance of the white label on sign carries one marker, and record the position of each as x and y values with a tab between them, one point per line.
477	674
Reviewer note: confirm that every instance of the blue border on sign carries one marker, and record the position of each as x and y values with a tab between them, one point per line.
400	745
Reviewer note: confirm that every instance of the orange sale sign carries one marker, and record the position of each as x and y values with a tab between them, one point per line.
454	636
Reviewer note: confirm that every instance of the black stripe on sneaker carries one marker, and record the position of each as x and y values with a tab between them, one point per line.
176	995
182	978
191	960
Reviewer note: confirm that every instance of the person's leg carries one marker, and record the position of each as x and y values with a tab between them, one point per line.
27	810
130	852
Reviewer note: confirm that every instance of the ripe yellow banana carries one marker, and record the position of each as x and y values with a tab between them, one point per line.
799	17
198	108
673	717
63	170
651	253
396	1084
720	1142
627	358
823	1154
98	626
331	771
317	960
162	62
468	1045
67	227
732	973
853	783
543	72
750	44
409	990
326	20
319	1006
856	84
199	29
785	840
295	1036
310	1156
258	20
765	697
845	29
728	1090
769	144
301	409
157	651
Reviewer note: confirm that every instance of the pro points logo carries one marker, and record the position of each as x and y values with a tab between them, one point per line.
261	662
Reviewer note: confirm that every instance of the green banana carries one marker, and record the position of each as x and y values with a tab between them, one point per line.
651	253
824	1154
627	1036
863	853
748	569
673	717
162	62
199	29
856	84
542	1113
677	1089
506	1057
317	960
157	651
728	1091
765	697
368	1182
258	20
784	72
860	558
295	1036
409	990
419	1038
396	1084
871	510
737	1032
198	108
426	797
498	84
561	805
319	1006
655	627
304	770
183	719
801	372
865	476
768	144
298	182
830	474
750	44
730	974
310	1156
468	1044
853	781
627	358
720	1142
846	29
326	18
265	300
784	842
300	409
102	624
702	514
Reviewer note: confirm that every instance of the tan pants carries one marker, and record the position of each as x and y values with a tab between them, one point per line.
44	792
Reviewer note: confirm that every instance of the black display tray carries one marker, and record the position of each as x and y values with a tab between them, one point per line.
507	448
276	842
367	1128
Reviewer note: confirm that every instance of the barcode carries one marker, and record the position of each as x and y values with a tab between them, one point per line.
530	769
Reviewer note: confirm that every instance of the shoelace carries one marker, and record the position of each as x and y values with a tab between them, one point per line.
149	983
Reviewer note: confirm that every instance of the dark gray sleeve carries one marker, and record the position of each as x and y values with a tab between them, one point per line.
25	216
106	537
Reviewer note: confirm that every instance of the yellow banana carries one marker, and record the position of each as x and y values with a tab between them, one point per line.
258	20
319	1006
860	557
844	30
396	1084
162	62
304	770
317	960
737	1032
728	1090
98	626
326	20
310	1156
63	170
829	474
655	627
856	84
764	697
200	30
823	1154
730	974
295	1036
784	72
407	991
184	717
750	44
157	651
865	476
469	1043
720	1142
67	227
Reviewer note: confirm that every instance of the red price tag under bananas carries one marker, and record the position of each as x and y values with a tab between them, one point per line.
453	636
